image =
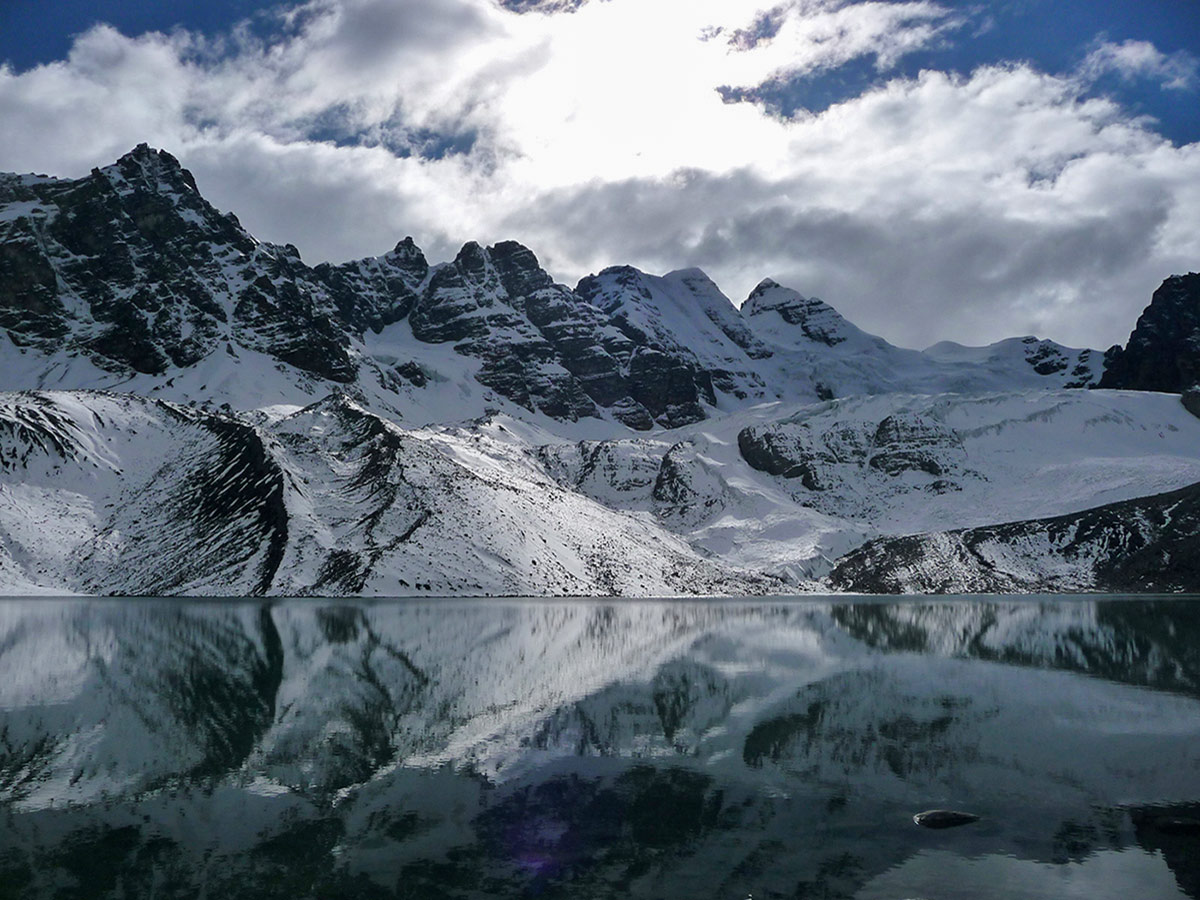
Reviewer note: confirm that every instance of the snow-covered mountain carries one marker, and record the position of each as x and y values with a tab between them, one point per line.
129	272
114	493
789	488
194	411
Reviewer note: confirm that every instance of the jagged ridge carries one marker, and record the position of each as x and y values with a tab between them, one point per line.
133	269
1151	544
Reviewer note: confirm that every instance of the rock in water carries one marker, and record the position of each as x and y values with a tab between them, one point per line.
944	818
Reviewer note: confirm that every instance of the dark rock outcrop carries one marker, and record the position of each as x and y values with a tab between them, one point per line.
907	442
133	267
377	291
1191	401
775	452
549	348
902	442
665	377
944	818
1163	352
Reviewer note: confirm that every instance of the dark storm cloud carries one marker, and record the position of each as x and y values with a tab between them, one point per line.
373	34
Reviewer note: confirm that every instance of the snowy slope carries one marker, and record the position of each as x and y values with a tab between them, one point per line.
115	493
809	335
782	345
789	488
107	493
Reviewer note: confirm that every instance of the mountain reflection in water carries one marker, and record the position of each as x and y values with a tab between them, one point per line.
599	749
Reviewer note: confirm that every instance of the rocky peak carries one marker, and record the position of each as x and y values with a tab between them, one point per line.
684	315
770	296
376	291
598	289
149	169
816	319
135	269
1163	352
409	258
764	287
473	261
452	306
519	270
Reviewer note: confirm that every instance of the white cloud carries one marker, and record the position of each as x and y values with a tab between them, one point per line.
938	207
1141	59
803	35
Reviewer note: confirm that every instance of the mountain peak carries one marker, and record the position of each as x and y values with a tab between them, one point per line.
520	272
409	257
141	151
473	258
770	295
767	284
514	249
151	168
816	319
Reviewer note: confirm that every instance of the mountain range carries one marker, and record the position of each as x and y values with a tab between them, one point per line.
189	410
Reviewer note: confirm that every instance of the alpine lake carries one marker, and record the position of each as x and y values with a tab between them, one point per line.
600	748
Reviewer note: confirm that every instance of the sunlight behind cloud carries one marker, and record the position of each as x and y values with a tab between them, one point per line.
983	205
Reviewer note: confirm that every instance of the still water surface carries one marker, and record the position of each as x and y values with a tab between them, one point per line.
292	749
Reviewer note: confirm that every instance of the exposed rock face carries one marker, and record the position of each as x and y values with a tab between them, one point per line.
667	378
817	320
547	348
824	456
133	270
133	267
906	443
377	291
791	455
1163	352
468	303
1078	368
1150	544
688	490
1191	401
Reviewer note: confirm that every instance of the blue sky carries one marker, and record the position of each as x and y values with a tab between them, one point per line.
936	170
1055	35
37	31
